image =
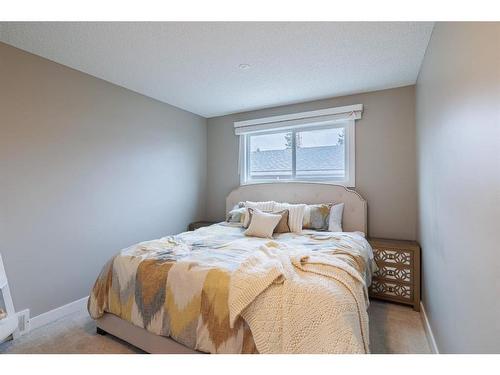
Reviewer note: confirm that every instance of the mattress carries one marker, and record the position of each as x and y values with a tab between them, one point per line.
178	286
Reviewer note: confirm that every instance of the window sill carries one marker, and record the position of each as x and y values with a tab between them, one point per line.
325	182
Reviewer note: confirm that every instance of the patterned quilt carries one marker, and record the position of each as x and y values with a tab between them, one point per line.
178	286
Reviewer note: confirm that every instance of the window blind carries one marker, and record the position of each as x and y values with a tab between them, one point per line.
302	119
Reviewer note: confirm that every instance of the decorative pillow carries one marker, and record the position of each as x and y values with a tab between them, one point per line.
236	215
262	224
263	206
295	217
282	226
335	221
316	216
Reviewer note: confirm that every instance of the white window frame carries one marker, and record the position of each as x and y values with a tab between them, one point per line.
347	124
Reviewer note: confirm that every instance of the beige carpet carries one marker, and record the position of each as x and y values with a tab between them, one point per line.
393	329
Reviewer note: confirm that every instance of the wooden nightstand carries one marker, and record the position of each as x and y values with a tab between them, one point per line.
398	277
199	224
8	317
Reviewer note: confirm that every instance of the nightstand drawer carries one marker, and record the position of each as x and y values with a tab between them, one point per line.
393	273
395	290
392	256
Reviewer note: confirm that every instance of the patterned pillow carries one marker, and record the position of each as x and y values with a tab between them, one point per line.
316	216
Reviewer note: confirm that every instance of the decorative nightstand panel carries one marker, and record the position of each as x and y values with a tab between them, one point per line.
393	256
398	276
393	273
8	317
382	288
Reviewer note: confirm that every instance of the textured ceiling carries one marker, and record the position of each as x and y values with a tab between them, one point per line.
195	66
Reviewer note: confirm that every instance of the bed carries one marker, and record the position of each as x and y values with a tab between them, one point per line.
215	290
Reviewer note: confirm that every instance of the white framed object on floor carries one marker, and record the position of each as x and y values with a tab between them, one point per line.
8	317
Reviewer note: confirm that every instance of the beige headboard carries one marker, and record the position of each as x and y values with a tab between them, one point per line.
355	209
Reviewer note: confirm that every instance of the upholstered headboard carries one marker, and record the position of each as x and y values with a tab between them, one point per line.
355	207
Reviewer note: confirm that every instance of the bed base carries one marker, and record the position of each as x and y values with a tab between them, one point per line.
139	337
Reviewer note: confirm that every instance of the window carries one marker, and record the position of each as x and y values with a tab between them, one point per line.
317	149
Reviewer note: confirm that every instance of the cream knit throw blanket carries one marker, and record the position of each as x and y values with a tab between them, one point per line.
301	302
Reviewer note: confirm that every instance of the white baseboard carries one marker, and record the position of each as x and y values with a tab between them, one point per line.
58	313
428	330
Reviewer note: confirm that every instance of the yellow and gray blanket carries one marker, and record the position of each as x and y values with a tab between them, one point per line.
178	286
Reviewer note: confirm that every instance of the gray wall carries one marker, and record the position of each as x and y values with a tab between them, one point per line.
86	168
458	142
385	158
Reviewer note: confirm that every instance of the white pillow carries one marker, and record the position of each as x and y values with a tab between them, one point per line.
262	224
335	221
296	215
262	206
236	215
